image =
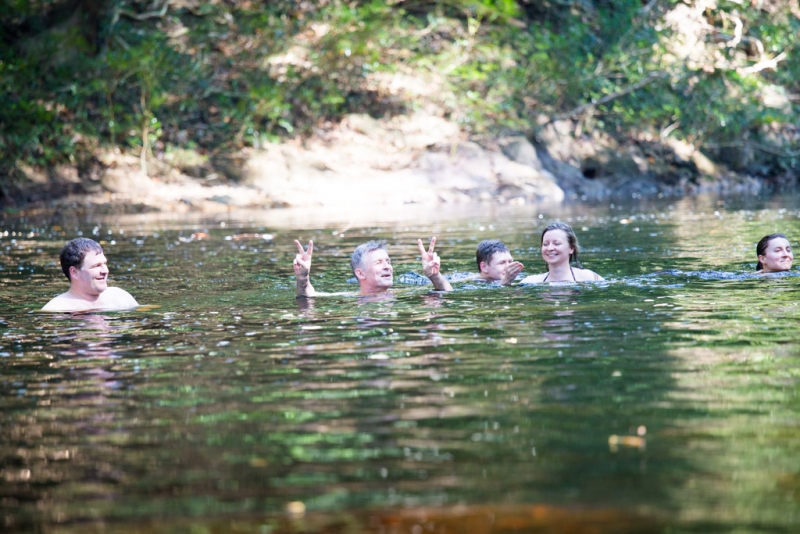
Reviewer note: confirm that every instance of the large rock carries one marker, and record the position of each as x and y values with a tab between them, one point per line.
466	169
470	169
570	178
520	150
533	184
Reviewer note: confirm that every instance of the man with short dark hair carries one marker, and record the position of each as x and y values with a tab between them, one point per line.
371	265
495	263
86	268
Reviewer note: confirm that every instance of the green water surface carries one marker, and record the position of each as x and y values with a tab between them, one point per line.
663	400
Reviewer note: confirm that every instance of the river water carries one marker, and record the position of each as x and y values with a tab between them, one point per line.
663	400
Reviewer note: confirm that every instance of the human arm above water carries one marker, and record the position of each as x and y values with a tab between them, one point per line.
431	265
302	269
511	272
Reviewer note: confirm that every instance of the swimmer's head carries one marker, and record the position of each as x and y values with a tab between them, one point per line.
373	267
75	251
363	250
774	254
488	248
572	239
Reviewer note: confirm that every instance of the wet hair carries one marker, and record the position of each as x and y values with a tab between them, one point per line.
486	249
762	245
73	253
572	239
362	250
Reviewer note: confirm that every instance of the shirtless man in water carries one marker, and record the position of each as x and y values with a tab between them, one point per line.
85	266
371	265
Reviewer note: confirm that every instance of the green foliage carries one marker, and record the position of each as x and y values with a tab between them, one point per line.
229	74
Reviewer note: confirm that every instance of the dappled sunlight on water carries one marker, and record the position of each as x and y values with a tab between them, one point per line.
662	400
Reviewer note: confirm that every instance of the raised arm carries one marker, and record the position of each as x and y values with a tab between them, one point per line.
511	272
431	265
302	269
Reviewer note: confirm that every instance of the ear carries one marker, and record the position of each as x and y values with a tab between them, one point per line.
360	274
483	267
73	271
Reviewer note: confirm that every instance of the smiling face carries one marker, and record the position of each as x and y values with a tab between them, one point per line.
375	274
496	267
91	278
777	256
555	247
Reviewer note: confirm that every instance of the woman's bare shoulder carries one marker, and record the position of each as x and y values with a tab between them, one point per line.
586	275
534	279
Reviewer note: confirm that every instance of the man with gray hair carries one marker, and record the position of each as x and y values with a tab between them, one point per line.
86	268
371	265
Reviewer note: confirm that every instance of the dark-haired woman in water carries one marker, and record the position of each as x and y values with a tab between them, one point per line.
774	254
559	249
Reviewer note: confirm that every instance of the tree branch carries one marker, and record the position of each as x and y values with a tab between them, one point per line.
771	63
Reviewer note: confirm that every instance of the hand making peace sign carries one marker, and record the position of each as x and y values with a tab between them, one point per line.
430	260
302	262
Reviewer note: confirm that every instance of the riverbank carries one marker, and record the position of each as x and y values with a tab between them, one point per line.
418	159
312	104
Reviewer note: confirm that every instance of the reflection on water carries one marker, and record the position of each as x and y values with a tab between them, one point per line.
663	400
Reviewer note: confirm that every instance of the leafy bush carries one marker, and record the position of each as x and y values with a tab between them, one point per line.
147	75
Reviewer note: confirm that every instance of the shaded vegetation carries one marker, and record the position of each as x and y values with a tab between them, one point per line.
215	76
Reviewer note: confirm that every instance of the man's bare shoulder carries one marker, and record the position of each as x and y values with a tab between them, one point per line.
117	298
65	303
113	298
